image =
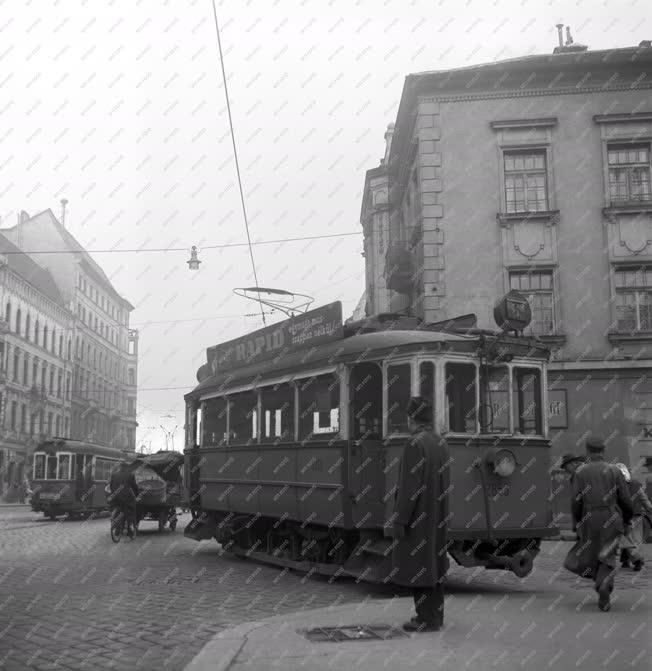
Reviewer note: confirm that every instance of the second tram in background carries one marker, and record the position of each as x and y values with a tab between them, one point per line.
295	432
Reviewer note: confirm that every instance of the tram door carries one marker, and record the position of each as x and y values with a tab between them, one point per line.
366	452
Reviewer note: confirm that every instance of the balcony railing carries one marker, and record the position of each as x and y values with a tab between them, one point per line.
400	267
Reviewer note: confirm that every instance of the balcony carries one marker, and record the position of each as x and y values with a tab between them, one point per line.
400	268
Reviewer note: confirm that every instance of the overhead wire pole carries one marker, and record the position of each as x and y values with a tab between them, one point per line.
237	165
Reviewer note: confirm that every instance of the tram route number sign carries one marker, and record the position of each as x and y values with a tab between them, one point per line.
309	329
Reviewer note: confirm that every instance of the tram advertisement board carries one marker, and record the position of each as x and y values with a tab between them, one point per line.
309	329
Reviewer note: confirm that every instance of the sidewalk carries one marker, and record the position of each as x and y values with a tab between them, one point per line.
484	630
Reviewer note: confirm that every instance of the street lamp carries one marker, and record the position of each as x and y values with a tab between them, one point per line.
193	262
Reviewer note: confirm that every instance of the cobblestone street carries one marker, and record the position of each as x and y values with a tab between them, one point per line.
71	599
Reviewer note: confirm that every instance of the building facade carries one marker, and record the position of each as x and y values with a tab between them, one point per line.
104	347
531	174
35	364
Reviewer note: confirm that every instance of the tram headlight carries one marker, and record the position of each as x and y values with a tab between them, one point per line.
501	462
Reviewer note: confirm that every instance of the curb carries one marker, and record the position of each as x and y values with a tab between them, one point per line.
221	651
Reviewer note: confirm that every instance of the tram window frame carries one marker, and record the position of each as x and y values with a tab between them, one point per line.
206	423
447	398
283	416
310	410
250	415
51	459
401	404
490	395
68	455
42	458
538	400
428	380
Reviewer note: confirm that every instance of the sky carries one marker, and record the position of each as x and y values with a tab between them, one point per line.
119	107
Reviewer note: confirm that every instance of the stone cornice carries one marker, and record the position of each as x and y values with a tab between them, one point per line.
532	93
524	123
622	118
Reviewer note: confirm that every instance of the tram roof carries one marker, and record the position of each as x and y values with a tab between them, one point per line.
79	447
347	350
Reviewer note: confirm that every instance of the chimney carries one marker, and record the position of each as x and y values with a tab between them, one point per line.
64	202
560	27
569	39
570	46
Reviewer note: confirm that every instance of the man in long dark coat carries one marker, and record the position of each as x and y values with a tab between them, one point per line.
421	517
601	508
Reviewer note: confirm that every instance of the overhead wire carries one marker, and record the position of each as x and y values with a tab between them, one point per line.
237	164
179	249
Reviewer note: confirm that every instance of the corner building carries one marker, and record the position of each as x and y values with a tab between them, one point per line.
104	347
531	174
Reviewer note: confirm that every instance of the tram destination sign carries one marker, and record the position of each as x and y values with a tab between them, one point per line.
309	329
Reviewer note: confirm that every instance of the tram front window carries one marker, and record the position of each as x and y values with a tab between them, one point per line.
51	472
460	397
494	399
399	386
526	387
277	408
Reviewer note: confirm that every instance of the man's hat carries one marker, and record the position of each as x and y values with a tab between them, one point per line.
567	458
419	409
595	444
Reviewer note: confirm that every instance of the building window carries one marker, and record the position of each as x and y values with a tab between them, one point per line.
23	418
67	427
8	312
633	299
49	423
36	332
51	381
34	373
629	172
14	412
537	287
25	372
16	366
28	321
45	337
18	321
57	426
526	181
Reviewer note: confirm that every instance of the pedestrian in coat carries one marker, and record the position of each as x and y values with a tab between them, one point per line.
642	508
601	508
420	518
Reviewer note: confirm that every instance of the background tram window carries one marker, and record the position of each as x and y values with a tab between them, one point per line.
319	406
39	466
527	401
427	384
243	418
277	408
214	422
460	397
399	390
51	473
64	467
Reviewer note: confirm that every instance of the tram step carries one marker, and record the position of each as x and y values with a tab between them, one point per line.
381	548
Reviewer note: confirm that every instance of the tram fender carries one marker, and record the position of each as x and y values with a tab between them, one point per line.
200	530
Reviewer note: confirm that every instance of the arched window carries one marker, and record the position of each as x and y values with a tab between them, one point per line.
36	332
18	321
28	323
45	337
8	312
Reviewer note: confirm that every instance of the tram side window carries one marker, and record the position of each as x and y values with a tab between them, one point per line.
427	384
39	466
494	403
64	467
51	471
526	388
214	422
460	397
366	404
243	418
103	469
399	390
319	406
277	412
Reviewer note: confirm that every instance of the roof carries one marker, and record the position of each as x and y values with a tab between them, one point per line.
517	74
24	266
79	447
349	349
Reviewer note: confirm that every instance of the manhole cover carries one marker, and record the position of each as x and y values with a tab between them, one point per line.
356	632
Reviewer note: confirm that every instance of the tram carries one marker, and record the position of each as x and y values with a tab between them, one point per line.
69	476
295	433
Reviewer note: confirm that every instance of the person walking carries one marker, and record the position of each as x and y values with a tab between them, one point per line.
642	508
419	553
601	507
